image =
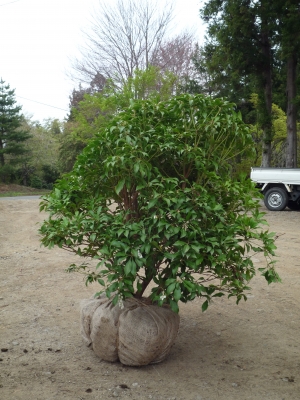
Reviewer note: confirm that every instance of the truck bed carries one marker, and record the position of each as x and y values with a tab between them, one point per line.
287	176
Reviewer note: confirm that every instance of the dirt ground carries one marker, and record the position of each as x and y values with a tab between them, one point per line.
249	351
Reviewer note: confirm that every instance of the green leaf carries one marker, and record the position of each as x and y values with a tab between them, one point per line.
218	295
104	250
147	248
120	186
152	203
170	288
179	243
177	294
174	306
185	249
130	268
189	285
140	186
204	306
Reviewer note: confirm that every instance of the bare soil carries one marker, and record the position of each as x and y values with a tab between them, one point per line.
249	351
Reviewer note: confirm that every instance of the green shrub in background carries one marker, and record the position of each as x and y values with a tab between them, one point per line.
154	199
7	173
36	182
50	174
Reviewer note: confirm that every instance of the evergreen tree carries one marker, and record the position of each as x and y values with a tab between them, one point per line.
240	48
289	42
254	47
12	136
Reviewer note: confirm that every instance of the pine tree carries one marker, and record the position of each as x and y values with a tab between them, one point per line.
12	136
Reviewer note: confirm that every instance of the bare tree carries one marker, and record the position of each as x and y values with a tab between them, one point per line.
125	36
176	55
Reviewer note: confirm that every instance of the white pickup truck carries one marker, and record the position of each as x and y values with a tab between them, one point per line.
280	187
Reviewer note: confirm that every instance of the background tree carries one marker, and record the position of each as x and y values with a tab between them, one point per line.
131	35
42	168
279	139
175	55
129	55
239	51
12	136
254	47
96	85
201	81
289	42
96	109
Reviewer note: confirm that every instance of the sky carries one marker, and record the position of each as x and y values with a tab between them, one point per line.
39	39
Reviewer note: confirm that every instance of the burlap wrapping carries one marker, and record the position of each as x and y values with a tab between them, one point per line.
88	307
138	334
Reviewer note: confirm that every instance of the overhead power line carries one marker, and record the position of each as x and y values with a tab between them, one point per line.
48	105
5	4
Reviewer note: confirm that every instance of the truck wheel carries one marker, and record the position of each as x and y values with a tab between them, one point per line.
276	199
293	205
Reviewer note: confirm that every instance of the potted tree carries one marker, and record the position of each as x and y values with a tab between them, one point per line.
154	198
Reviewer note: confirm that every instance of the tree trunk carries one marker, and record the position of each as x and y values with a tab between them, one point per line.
2	161
267	117
291	120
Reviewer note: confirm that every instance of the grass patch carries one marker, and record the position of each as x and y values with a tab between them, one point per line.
13	190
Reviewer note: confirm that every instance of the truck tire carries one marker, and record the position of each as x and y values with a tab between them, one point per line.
276	199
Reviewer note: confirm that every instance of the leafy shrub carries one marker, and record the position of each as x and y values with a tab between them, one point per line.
50	174
36	182
7	173
153	198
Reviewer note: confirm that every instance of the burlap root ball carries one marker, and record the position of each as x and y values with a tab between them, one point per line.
138	334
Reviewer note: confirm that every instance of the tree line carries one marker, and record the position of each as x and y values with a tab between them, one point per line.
254	46
29	150
249	56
